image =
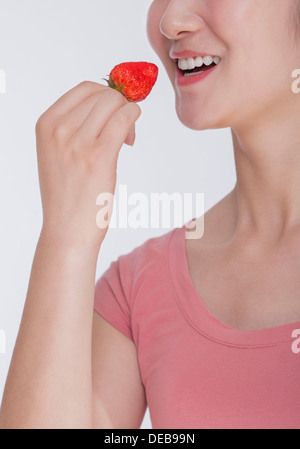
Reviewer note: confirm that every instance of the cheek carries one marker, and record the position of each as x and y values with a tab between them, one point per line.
153	21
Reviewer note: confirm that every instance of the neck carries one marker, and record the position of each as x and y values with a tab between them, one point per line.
266	197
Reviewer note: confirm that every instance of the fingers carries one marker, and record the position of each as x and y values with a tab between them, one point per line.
94	114
109	143
74	97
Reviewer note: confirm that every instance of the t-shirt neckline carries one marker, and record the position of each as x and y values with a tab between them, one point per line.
201	318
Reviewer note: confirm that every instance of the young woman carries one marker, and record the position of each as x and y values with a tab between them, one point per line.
200	330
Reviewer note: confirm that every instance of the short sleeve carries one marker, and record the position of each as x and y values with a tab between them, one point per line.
110	299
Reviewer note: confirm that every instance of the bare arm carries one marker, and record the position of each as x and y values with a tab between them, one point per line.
49	384
119	399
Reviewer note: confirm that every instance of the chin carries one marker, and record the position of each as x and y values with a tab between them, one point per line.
200	121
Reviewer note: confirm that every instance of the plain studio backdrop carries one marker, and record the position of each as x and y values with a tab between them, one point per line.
46	48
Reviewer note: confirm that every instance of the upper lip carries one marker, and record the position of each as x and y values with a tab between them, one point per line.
188	54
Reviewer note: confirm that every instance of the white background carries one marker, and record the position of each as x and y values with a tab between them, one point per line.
46	48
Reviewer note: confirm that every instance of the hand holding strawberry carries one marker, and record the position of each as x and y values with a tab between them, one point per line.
78	142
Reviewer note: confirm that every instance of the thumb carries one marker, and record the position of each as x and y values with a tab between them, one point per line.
130	139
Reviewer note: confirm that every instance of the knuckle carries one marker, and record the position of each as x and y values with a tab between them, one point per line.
90	86
61	131
45	122
42	123
86	84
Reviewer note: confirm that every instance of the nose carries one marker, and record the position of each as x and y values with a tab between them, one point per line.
179	17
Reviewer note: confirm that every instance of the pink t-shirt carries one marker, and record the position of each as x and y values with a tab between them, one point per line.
197	371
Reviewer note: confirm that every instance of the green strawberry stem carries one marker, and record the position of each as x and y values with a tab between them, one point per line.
113	85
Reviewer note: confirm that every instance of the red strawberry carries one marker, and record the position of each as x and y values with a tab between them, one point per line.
133	79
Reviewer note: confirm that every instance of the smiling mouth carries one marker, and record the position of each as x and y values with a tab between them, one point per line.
198	69
194	65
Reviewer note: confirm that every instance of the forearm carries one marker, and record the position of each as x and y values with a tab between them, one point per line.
49	383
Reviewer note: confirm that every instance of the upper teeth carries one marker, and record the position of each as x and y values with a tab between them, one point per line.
191	63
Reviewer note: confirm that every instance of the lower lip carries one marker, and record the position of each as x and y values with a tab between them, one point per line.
182	80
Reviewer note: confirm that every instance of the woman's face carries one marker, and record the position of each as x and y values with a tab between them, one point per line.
255	41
